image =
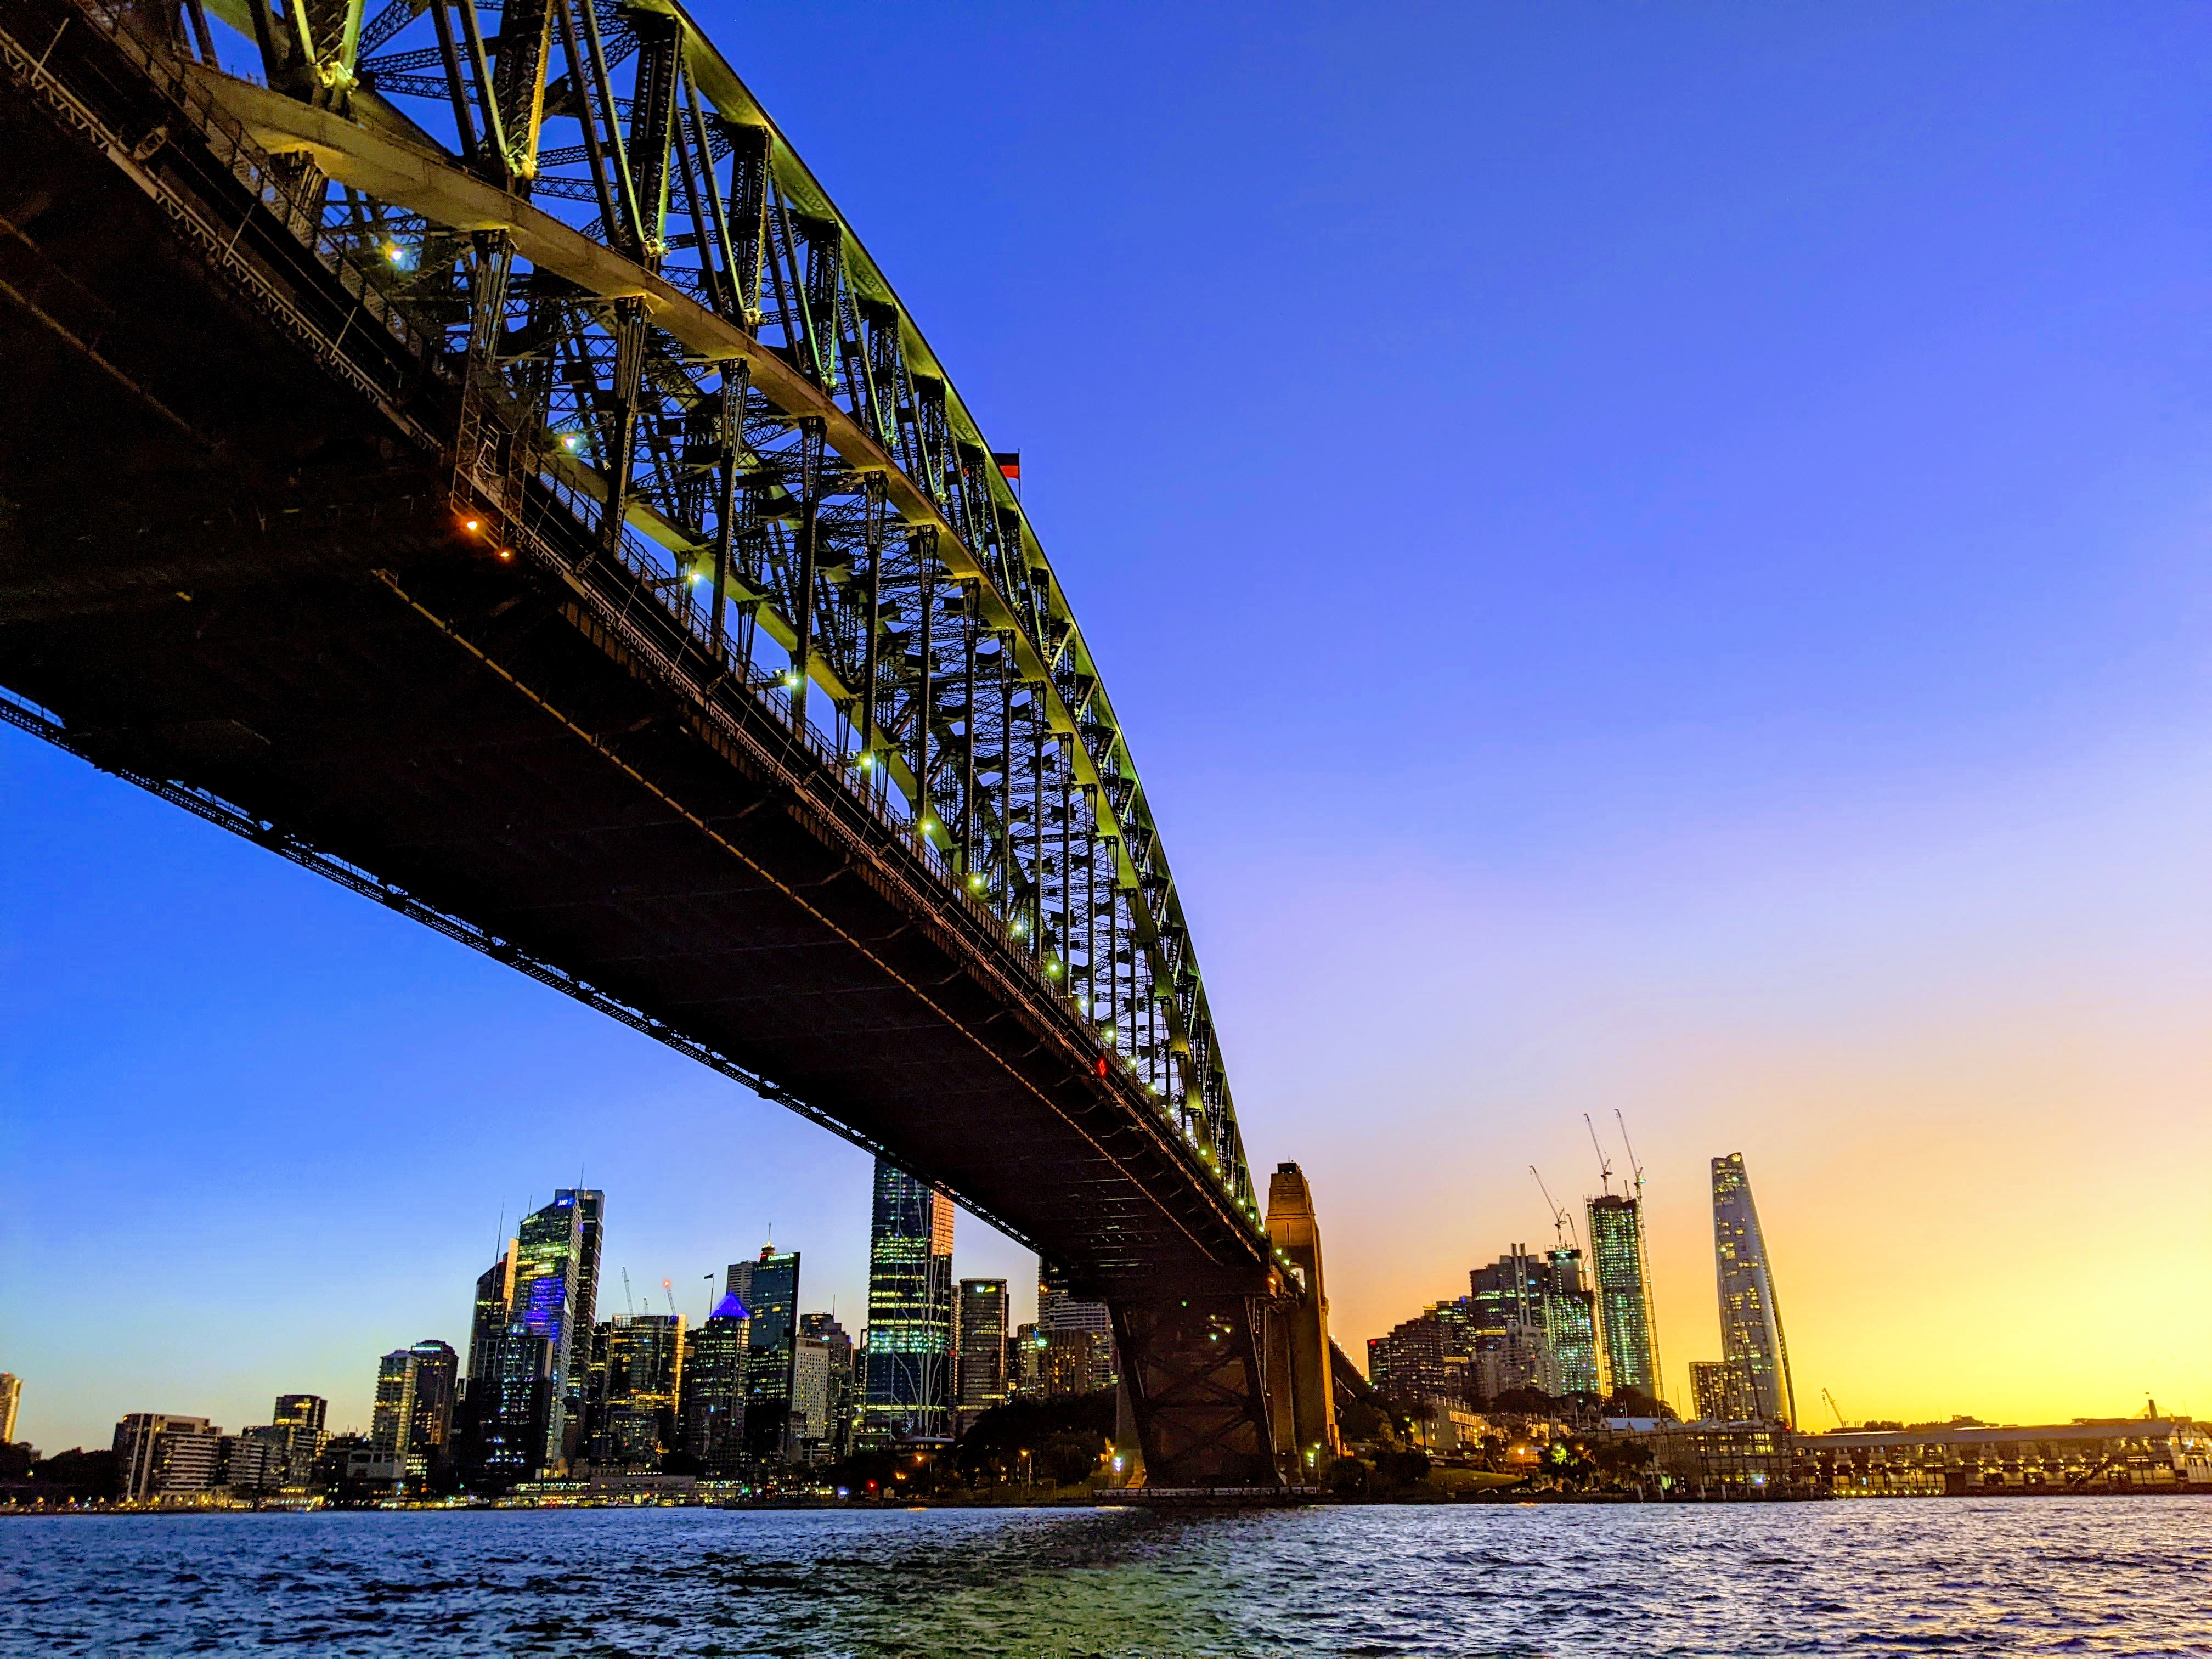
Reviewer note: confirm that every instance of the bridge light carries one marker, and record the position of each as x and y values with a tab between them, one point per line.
975	881
506	553
569	440
470	526
867	761
791	680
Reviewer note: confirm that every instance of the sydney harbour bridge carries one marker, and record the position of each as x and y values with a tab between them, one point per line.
461	446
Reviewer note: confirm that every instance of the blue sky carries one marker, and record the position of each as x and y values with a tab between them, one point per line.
1652	558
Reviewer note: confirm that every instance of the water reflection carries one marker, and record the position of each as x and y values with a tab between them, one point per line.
2076	1576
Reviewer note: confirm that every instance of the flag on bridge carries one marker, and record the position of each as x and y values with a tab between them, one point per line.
1009	463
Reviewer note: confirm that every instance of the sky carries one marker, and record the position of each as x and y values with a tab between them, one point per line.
1652	558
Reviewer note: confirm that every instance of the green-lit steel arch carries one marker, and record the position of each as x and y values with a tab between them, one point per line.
852	515
545	517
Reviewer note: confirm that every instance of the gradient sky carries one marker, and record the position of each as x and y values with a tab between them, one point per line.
1653	557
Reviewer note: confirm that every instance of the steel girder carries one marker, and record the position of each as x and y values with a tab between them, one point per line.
668	325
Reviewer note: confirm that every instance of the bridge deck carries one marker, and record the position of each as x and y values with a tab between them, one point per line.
227	565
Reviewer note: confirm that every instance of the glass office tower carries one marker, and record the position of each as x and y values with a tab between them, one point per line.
1621	1265
909	1384
1751	1320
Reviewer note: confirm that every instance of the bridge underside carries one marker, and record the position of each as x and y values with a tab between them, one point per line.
224	570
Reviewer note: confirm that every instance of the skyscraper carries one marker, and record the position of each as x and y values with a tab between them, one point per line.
714	1404
1570	1321
436	1377
488	1322
909	1390
533	1379
1751	1320
1506	1302
768	1287
640	1384
1717	1392
392	1419
11	1396
979	1338
1621	1265
297	1422
1059	1311
836	1439
589	1205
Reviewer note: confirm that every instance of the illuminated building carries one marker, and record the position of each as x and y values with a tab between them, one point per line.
530	1376
979	1338
1570	1322
834	1439
907	1389
392	1419
639	1382
1427	1356
297	1422
713	1399
1718	1394
488	1322
436	1384
1534	1325
11	1396
768	1287
1627	1330
159	1455
1059	1311
1066	1362
1751	1320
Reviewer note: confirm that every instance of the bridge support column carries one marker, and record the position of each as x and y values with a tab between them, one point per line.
1305	1407
1191	1371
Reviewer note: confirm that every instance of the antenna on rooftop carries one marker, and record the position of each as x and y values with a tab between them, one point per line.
1563	1224
1625	1141
1604	1163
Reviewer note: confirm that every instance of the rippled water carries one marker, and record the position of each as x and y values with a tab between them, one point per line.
2055	1576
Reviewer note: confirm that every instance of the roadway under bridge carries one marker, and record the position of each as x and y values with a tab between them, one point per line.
469	454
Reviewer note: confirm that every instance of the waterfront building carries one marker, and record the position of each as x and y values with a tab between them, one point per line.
160	1456
714	1397
297	1424
639	1383
250	1464
1023	1379
979	1334
391	1418
1059	1311
2099	1454
768	1287
1430	1354
11	1396
1066	1362
1751	1319
836	1439
552	1275
907	1389
494	1299
1628	1330
436	1387
1533	1326
813	1393
1718	1394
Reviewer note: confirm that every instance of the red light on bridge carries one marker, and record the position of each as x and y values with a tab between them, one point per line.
1102	1066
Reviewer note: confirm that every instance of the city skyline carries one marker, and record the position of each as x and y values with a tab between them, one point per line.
1828	783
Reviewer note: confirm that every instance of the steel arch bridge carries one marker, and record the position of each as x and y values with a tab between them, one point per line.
470	454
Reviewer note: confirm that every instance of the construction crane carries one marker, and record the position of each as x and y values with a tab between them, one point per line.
1563	1223
1630	1144
1604	1163
628	1301
668	1289
1834	1407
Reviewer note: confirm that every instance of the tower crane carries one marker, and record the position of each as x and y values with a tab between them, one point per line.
628	1301
1630	1144
1834	1407
1563	1223
1604	1163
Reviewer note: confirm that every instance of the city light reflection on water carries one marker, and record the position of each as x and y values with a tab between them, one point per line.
2082	1575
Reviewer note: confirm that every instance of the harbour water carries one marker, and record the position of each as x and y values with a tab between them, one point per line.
2063	1575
